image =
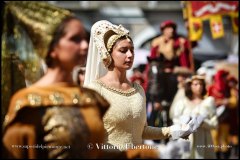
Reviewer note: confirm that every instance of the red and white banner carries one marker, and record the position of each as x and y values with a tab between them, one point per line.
207	8
197	11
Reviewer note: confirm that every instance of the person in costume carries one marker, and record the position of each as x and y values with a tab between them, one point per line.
222	95
170	50
193	104
52	118
111	54
234	114
182	74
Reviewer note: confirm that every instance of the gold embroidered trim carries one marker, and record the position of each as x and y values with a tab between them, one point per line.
34	99
56	98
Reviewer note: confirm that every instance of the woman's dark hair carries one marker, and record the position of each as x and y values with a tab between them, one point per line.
58	34
188	90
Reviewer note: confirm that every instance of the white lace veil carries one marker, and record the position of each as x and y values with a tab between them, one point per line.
103	36
94	66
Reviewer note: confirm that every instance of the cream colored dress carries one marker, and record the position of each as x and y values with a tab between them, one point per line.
125	121
201	141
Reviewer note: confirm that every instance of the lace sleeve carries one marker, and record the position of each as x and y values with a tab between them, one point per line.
155	133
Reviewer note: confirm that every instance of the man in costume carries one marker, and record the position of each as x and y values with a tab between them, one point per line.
170	50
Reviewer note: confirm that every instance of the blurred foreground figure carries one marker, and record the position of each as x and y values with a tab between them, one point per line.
53	118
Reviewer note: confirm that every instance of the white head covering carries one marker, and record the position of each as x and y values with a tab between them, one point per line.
103	36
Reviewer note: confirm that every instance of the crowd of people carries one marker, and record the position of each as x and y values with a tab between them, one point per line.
85	106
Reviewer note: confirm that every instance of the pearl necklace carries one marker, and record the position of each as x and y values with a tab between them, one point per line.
127	93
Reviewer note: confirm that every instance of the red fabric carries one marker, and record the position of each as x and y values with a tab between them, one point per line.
219	82
219	89
176	44
153	52
213	91
184	56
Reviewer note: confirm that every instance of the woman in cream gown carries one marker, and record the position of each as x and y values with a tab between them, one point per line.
111	54
193	104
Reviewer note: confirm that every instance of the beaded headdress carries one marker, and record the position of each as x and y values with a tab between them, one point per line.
105	36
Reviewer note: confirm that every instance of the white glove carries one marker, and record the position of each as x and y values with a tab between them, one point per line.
181	130
188	125
197	121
